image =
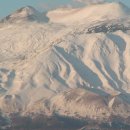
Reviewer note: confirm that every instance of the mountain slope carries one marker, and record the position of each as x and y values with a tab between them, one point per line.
85	103
91	13
52	67
24	14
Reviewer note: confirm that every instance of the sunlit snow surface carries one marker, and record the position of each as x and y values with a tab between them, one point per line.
68	65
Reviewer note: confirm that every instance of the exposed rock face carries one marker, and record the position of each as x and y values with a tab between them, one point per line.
108	28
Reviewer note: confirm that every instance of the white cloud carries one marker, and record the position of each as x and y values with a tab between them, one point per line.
90	1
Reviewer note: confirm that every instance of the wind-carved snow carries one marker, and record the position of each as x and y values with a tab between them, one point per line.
79	70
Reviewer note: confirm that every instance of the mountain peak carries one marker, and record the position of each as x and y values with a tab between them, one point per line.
28	10
27	13
95	12
28	7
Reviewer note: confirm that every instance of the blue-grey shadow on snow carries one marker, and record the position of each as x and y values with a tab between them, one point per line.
45	19
58	78
121	44
114	77
111	82
10	76
84	71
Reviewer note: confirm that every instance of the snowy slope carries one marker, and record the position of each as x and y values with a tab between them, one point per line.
85	103
54	68
27	13
91	13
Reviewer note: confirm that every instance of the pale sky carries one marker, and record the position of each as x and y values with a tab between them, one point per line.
9	6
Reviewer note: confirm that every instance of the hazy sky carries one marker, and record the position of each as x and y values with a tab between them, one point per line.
8	6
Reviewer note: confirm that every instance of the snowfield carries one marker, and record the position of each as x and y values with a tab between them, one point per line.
74	62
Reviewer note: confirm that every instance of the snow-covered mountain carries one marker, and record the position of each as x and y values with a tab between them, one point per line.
25	14
77	64
94	12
